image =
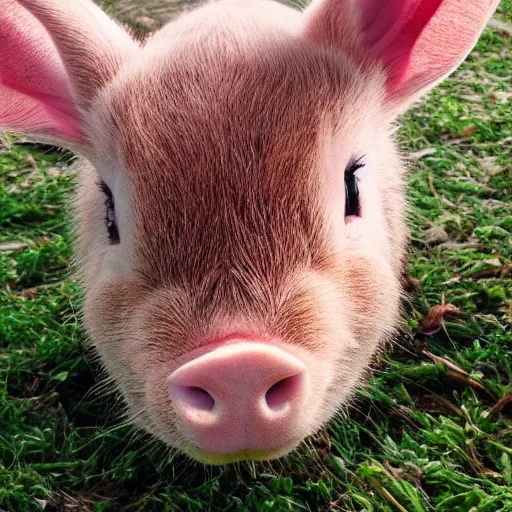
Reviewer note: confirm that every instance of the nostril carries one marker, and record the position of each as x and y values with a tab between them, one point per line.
282	392
193	396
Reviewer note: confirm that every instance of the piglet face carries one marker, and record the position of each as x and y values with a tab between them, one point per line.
240	208
242	302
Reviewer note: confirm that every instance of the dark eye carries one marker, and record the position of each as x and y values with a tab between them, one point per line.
110	214
351	188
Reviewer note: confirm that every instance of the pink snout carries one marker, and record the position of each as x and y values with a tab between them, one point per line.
241	397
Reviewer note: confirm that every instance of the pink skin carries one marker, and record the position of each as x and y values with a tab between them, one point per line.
240	396
241	307
34	87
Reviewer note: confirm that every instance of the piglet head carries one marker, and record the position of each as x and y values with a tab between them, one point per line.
239	210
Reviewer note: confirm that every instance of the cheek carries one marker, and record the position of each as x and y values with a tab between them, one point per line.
341	313
112	315
315	315
361	309
362	318
373	287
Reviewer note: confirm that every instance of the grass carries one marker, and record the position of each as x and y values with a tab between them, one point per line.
433	429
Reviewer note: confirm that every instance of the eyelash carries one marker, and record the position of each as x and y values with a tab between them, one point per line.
352	206
110	214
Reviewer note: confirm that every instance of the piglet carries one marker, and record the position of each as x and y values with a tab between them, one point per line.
240	205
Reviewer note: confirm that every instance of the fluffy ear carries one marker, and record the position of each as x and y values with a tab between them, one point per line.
55	56
418	42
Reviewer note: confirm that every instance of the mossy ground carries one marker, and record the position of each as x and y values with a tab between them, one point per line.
433	429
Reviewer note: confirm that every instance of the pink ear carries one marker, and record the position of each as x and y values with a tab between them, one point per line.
392	32
35	91
418	42
56	55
